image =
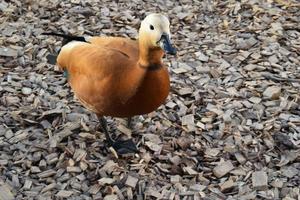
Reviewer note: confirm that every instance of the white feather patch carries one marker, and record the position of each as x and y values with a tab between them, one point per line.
71	45
87	38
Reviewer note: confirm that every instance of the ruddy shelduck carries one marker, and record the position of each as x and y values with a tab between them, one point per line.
119	77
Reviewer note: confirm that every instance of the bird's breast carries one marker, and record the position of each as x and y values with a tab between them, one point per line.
150	94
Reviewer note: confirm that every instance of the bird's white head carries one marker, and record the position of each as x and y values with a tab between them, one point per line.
155	32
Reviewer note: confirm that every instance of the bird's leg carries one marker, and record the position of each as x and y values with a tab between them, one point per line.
120	146
103	124
129	122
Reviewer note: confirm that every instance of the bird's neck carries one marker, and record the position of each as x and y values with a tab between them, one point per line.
149	57
150	60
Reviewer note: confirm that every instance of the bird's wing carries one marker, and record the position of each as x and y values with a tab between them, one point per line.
99	75
130	47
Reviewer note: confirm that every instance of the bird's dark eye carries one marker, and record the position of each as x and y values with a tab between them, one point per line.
151	27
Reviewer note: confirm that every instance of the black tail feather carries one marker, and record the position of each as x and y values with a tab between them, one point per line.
51	59
66	39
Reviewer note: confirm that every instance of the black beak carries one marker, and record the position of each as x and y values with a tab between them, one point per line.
166	45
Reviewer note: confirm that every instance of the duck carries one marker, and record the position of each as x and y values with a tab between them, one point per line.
118	76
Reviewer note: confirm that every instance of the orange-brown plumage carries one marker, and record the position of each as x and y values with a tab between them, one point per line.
117	87
120	77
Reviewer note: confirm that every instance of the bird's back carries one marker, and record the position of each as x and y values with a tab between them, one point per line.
102	72
125	45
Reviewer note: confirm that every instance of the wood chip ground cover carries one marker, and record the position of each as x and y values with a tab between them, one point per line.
230	128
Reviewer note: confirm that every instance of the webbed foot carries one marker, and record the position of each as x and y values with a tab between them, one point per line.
124	146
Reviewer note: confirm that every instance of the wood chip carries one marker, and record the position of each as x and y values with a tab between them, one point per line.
5	193
95	189
240	158
48	187
272	92
260	180
111	197
131	181
8	52
175	179
222	169
74	169
47	173
27	185
106	181
227	185
64	193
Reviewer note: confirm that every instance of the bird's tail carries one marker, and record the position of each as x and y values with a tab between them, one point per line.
66	39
